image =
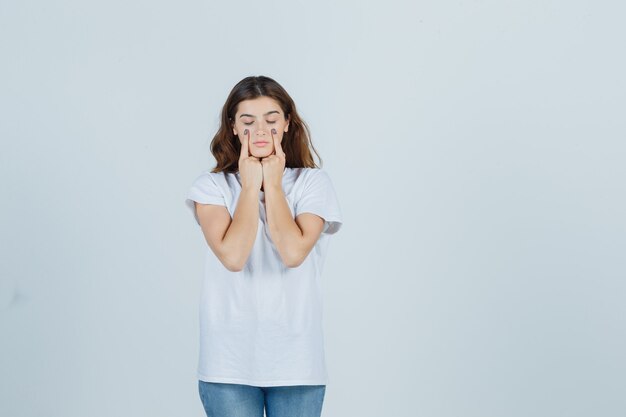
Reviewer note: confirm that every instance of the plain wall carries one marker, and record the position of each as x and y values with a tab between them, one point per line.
477	149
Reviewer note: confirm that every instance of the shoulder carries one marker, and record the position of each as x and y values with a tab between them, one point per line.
318	177
313	181
210	183
204	175
208	177
314	174
304	177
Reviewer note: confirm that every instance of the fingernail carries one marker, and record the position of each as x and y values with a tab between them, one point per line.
274	131
245	132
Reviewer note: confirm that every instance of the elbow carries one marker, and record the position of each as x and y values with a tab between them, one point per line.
293	264
230	259
233	268
294	260
233	264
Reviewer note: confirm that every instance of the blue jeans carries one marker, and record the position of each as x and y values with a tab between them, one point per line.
237	400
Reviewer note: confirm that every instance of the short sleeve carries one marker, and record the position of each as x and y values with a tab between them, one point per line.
319	197
204	190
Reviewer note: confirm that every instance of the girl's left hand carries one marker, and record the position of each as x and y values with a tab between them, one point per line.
274	165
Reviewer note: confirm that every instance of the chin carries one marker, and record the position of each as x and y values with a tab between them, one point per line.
261	153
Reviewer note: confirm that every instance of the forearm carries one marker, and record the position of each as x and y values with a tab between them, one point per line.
241	234
285	233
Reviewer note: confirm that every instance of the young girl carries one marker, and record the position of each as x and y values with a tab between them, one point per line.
267	213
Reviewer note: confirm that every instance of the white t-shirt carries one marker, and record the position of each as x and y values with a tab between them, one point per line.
262	326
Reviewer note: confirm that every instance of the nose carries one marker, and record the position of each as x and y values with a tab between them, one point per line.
262	130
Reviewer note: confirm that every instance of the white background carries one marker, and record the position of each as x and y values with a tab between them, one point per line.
477	149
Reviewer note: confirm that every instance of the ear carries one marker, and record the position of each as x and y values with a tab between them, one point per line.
287	125
232	125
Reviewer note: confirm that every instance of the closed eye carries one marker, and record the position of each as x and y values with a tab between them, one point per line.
248	124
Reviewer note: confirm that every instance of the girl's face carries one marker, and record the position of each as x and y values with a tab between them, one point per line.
260	116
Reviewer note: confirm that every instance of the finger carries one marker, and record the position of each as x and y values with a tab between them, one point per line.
248	144
244	146
278	150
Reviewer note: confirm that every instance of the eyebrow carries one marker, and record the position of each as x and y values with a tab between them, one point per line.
269	112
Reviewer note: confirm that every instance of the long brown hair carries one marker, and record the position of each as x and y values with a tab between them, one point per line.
226	147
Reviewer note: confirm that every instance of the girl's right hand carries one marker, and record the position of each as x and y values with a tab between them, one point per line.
250	167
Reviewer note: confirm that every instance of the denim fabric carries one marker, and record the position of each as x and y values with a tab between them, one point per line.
237	400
